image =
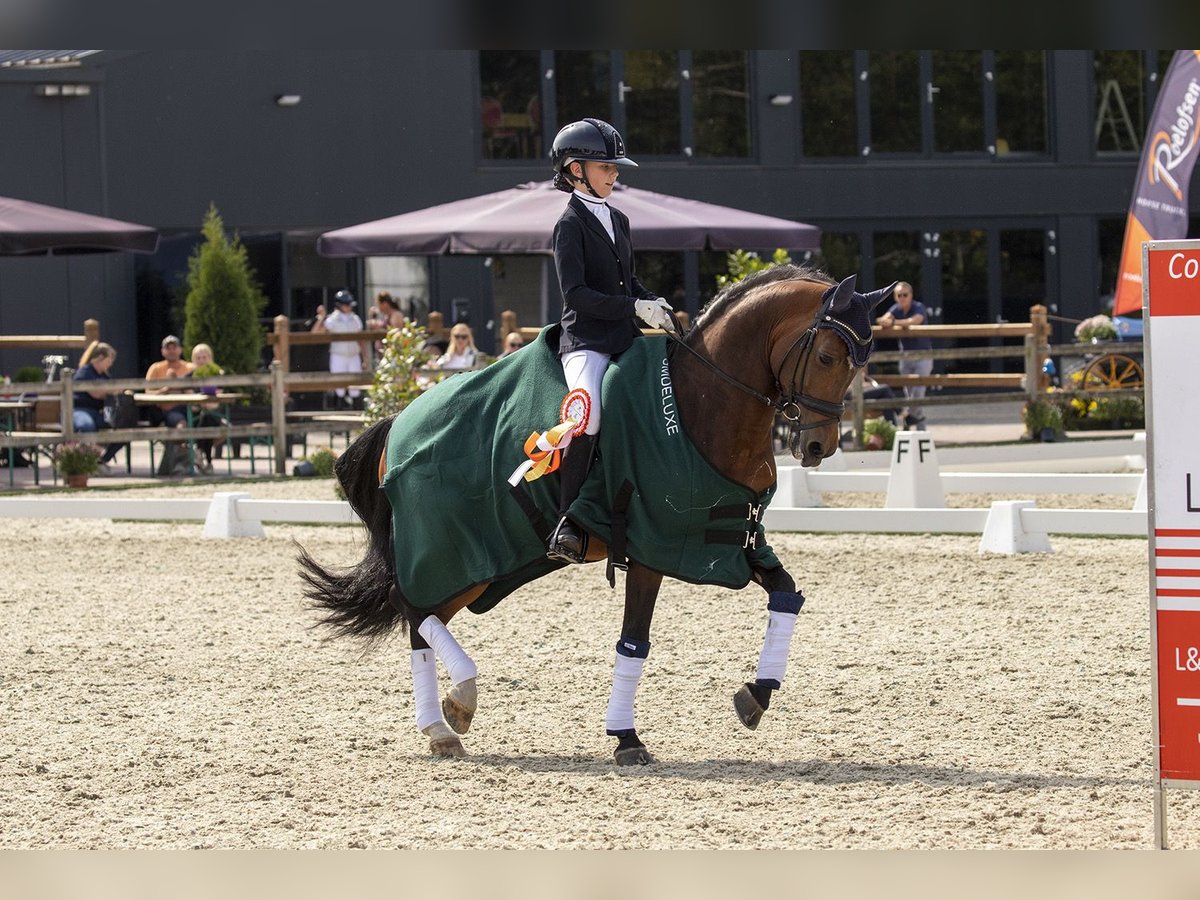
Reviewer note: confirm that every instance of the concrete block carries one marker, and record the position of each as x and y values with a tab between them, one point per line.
793	490
222	520
1004	533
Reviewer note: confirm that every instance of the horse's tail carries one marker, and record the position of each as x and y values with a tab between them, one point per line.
355	601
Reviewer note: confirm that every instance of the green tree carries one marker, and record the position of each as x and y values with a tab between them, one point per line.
223	301
395	383
742	263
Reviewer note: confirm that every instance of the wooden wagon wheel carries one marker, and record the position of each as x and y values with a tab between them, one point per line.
1111	371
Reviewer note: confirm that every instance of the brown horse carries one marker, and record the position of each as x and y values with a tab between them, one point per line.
784	341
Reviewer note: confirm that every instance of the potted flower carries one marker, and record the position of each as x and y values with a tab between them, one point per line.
878	434
75	461
1043	421
1095	329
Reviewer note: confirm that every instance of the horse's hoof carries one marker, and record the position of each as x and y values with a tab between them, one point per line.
444	742
633	756
459	704
747	707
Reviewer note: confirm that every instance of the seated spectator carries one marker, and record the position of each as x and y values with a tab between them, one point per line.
513	343
205	414
89	416
873	390
171	366
462	353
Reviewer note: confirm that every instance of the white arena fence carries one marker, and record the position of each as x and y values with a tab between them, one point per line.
1006	527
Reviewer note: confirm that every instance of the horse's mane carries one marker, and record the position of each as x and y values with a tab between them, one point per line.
728	296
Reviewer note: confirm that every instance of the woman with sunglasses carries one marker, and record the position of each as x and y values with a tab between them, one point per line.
462	352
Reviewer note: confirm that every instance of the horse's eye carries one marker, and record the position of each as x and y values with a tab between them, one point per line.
825	359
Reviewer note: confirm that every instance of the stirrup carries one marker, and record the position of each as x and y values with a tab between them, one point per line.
556	548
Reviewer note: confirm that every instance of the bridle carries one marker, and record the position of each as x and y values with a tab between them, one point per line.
787	404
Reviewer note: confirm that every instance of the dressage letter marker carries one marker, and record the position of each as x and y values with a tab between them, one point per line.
1171	308
916	478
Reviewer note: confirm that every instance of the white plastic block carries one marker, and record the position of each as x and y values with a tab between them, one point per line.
222	520
793	490
835	462
916	477
1004	533
1141	500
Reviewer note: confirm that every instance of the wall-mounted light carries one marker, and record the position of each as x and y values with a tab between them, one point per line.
62	90
780	99
287	99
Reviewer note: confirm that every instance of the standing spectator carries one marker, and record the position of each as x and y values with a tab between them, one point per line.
386	314
905	313
89	416
172	366
462	353
513	343
390	315
344	356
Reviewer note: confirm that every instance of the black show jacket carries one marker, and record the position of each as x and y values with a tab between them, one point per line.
597	280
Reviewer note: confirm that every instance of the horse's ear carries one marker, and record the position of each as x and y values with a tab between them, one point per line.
875	298
843	294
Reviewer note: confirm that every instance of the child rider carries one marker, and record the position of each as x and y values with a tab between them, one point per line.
602	298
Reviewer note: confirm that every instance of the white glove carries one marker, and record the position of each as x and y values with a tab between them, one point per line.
655	313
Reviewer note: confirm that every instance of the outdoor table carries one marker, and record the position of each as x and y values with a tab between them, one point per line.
189	400
11	413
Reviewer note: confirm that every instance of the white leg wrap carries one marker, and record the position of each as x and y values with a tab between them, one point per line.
626	673
457	663
425	689
772	662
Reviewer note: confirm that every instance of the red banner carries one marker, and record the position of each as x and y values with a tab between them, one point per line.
1159	210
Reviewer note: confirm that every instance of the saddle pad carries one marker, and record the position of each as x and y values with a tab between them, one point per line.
456	522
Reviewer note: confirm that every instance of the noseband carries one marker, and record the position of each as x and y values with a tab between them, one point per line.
787	404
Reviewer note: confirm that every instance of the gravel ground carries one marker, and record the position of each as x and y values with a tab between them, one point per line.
164	691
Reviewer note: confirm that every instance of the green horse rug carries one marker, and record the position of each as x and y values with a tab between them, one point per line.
463	515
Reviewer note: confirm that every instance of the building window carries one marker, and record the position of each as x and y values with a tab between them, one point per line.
898	258
582	85
651	87
1020	79
509	104
964	289
1022	272
927	103
1120	110
956	94
894	77
827	104
720	103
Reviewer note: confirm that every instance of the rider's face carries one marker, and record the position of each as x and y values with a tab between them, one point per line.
602	176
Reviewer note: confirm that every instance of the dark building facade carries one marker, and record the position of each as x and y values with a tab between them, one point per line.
991	180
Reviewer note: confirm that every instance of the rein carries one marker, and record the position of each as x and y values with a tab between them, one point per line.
786	405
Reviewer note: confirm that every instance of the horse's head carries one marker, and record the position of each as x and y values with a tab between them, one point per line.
822	363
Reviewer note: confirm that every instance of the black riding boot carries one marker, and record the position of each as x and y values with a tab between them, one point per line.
568	542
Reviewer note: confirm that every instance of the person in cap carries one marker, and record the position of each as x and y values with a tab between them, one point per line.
603	300
344	356
171	366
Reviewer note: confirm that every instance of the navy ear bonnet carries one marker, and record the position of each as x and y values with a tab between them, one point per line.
850	315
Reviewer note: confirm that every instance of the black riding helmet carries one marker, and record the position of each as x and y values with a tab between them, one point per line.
587	139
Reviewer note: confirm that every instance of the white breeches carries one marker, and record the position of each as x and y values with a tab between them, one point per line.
345	363
584	370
